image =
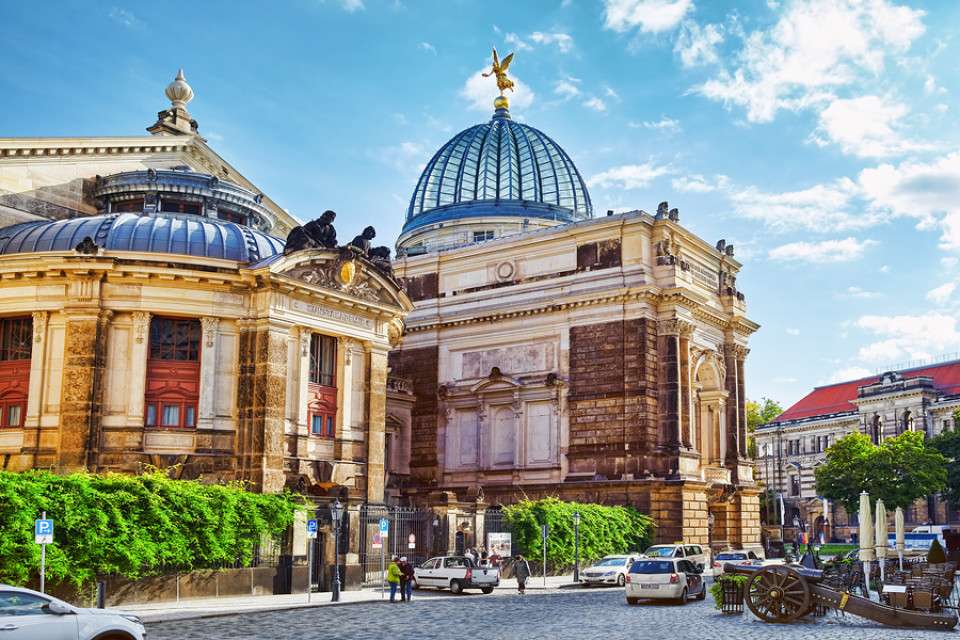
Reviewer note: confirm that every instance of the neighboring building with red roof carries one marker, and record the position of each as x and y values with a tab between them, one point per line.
790	447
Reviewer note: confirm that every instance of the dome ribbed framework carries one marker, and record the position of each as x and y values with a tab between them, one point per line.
499	168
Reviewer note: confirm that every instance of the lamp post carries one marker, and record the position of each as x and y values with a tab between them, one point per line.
710	520
336	513
576	547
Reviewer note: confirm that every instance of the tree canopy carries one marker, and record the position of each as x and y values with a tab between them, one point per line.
759	413
948	444
900	471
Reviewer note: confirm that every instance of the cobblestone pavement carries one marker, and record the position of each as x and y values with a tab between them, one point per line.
574	614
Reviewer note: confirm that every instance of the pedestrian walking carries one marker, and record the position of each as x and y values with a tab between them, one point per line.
406	580
495	559
484	558
393	577
521	571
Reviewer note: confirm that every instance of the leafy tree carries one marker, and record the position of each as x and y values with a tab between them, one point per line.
758	414
603	530
948	444
132	525
900	471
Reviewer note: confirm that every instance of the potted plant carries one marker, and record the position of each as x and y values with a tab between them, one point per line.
727	592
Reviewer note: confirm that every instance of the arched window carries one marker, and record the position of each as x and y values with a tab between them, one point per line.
173	374
877	433
907	422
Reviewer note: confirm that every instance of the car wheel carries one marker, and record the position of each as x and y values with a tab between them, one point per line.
486	589
703	591
633	601
683	596
621	580
456	587
416	585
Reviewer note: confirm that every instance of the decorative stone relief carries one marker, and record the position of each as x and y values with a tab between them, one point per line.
347	346
40	325
305	335
141	324
362	287
675	327
209	329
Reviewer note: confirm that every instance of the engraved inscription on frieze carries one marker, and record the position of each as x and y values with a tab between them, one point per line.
708	277
334	314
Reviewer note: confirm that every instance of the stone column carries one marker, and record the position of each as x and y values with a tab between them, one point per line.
139	352
84	349
686	383
742	401
733	401
208	373
669	405
377	416
345	392
31	421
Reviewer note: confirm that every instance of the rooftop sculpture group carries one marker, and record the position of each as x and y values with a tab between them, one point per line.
321	234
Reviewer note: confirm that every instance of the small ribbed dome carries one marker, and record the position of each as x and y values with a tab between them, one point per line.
499	168
157	233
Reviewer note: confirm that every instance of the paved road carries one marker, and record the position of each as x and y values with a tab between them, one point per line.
573	614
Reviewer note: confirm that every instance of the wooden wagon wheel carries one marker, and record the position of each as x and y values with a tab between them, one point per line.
777	594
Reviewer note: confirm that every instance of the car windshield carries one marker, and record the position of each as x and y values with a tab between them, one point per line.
659	552
731	556
651	566
611	562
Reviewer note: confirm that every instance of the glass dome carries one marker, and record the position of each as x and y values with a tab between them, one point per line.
499	168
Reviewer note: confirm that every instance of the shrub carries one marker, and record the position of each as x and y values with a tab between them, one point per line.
936	554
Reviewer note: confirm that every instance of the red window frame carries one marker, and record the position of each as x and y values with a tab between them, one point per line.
128	206
322	386
180	206
230	216
16	349
172	396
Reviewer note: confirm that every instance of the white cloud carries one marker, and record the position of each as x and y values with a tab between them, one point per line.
122	16
793	332
426	46
401	119
514	41
694	184
930	86
650	15
596	104
566	89
697	45
846	250
480	93
815	47
628	176
665	123
563	41
857	292
864	126
909	337
821	208
941	295
407	157
352	5
212	135
948	263
849	373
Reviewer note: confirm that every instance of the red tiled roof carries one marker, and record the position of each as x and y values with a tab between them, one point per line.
837	398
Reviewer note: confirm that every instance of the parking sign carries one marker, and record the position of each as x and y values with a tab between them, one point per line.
384	527
43	531
311	528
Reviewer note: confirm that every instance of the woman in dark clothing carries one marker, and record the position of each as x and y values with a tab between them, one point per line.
521	571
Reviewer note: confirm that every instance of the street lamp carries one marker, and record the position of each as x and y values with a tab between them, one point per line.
336	512
710	520
576	547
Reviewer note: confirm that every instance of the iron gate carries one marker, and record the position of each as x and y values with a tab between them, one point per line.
402	522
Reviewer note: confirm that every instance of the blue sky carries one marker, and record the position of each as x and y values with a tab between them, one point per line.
819	137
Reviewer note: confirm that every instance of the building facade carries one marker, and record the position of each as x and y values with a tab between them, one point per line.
790	448
553	353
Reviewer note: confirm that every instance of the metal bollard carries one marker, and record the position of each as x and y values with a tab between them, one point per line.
101	593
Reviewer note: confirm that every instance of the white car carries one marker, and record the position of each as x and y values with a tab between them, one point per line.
735	557
609	570
30	615
455	573
672	578
692	552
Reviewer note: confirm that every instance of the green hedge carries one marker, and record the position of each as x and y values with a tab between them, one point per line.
603	530
131	525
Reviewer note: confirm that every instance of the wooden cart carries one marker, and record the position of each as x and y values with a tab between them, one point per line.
778	593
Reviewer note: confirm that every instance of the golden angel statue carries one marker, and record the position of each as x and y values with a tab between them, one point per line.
500	71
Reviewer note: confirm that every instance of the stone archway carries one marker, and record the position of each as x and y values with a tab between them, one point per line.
709	412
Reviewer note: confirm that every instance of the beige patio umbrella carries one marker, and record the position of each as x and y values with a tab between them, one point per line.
881	536
866	538
901	531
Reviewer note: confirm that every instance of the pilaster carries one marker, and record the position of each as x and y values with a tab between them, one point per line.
376	415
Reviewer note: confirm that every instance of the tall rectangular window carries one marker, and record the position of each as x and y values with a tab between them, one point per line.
173	374
323	352
322	389
16	346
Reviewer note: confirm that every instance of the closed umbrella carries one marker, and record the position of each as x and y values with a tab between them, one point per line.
900	531
866	538
881	537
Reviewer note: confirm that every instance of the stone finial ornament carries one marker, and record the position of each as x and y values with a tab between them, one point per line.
179	92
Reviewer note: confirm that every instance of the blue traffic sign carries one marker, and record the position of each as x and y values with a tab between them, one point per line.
311	525
43	528
384	526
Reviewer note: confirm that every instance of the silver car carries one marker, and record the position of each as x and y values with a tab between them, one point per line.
671	578
30	615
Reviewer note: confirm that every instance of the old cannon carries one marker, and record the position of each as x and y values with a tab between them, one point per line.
779	593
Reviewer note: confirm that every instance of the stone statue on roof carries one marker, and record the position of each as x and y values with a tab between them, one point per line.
316	234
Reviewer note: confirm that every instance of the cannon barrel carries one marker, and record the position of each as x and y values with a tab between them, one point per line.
813	576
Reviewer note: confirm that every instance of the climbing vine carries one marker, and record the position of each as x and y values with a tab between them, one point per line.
132	525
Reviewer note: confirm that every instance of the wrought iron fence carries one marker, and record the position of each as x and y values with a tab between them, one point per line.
410	534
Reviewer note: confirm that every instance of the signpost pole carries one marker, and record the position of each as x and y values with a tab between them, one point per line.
43	559
309	569
545	530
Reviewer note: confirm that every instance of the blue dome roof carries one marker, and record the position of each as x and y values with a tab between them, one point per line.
499	168
158	233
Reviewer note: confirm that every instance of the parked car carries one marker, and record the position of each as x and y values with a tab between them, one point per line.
735	557
455	573
692	552
30	615
673	578
609	570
